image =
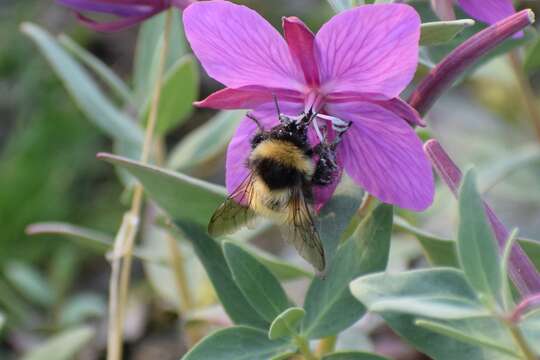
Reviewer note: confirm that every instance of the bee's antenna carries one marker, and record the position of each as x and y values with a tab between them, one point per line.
277	105
250	116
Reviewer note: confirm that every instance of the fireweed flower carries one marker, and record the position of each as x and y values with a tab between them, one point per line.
488	11
129	12
353	70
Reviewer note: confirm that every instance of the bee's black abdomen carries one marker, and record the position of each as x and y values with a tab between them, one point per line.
277	175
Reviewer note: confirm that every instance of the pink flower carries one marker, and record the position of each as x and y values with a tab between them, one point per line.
353	70
488	11
129	12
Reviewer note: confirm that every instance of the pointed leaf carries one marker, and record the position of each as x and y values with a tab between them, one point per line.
178	91
439	251
181	196
458	334
336	215
206	142
237	343
438	32
530	326
532	59
84	90
280	268
63	346
148	46
211	255
286	323
88	238
29	282
329	305
476	245
261	289
342	5
353	355
437	293
99	67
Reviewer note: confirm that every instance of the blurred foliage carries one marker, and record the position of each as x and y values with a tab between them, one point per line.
50	288
47	157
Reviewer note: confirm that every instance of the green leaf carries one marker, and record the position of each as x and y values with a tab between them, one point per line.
280	268
231	297
530	327
261	289
103	71
442	347
147	51
286	323
532	249
237	343
181	196
475	339
342	5
29	282
63	346
2	321
88	238
329	305
439	251
81	308
205	143
442	252
353	355
476	246
179	89
336	215
84	90
437	293
14	307
439	32
506	289
532	58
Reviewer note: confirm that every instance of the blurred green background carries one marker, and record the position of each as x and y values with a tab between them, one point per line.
49	172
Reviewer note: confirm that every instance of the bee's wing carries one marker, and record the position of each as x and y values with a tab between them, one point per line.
231	216
302	233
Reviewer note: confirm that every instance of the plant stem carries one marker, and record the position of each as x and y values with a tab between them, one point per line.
123	248
527	93
520	341
303	346
176	262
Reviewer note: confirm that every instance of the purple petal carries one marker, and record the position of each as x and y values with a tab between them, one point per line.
114	25
372	48
248	97
488	11
122	9
395	105
237	47
444	9
302	46
383	154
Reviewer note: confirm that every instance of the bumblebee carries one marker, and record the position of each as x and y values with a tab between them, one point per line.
283	170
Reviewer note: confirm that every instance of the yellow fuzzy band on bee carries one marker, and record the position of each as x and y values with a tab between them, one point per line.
285	153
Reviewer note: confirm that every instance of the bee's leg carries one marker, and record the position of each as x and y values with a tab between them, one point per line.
326	167
255	120
260	135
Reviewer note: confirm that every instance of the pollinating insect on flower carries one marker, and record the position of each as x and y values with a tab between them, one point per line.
336	95
129	12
